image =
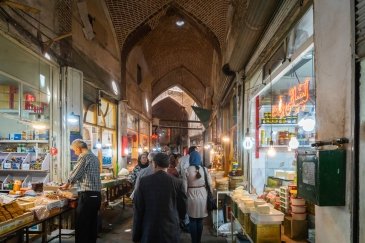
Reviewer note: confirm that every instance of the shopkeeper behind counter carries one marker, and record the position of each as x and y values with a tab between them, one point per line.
87	173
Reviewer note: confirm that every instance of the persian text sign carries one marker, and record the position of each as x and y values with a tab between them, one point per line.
298	98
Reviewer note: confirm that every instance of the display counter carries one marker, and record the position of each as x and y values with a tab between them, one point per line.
19	215
116	188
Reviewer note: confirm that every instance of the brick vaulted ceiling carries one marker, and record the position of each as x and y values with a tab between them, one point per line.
128	15
175	55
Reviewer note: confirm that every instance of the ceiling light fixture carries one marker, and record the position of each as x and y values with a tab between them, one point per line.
293	143
108	144
140	150
39	126
98	144
207	146
47	56
225	139
115	88
248	141
72	118
180	22
271	152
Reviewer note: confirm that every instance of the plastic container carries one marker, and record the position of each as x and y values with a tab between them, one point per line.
298	201
298	209
299	216
259	202
260	222
274	217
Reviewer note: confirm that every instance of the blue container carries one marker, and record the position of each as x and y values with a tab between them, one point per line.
17	136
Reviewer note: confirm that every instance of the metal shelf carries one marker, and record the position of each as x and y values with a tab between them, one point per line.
279	125
24	141
24	171
284	146
243	228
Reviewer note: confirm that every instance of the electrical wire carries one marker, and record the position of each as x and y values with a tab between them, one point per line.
39	22
29	23
271	105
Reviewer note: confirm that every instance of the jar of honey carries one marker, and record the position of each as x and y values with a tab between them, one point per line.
17	185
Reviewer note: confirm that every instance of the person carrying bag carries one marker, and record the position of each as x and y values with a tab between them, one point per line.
196	190
211	202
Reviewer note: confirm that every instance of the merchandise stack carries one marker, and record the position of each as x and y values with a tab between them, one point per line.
298	209
284	199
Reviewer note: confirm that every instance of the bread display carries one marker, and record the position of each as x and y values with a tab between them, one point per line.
10	211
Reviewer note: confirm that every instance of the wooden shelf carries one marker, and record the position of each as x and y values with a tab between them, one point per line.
24	141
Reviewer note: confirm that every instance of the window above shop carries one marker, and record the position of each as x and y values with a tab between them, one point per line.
24	65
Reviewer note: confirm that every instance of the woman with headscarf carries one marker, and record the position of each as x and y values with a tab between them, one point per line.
196	192
142	163
171	170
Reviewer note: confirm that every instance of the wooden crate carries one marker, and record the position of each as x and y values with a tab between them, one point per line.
295	229
14	223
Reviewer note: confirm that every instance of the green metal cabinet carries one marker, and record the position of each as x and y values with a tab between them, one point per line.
322	177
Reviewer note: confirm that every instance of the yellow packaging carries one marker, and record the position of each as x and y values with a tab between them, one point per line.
4	89
265	233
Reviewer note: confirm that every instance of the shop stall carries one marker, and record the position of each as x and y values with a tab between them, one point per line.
26	115
279	124
100	130
132	136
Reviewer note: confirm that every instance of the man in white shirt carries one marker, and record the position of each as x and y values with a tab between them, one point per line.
181	168
184	162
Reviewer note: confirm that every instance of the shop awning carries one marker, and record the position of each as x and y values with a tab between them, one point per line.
203	115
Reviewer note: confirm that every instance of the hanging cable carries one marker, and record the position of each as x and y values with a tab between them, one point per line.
271	152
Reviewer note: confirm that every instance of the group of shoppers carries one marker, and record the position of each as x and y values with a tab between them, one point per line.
165	192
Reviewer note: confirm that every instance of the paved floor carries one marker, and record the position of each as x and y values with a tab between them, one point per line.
117	227
117	224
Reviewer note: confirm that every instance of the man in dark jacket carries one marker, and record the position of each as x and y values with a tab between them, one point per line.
159	205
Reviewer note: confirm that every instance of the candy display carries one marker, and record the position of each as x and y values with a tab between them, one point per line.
37	164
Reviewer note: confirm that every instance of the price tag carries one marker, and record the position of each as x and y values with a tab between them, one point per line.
25	166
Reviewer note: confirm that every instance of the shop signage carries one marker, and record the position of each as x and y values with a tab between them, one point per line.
298	98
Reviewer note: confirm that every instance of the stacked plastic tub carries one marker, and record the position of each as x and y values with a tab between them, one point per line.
242	203
265	223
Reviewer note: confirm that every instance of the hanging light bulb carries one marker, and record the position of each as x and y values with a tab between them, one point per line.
271	152
225	139
248	143
72	118
293	143
108	144
126	151
140	150
207	146
98	145
308	124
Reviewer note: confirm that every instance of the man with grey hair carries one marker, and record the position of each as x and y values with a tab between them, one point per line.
160	203
87	173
